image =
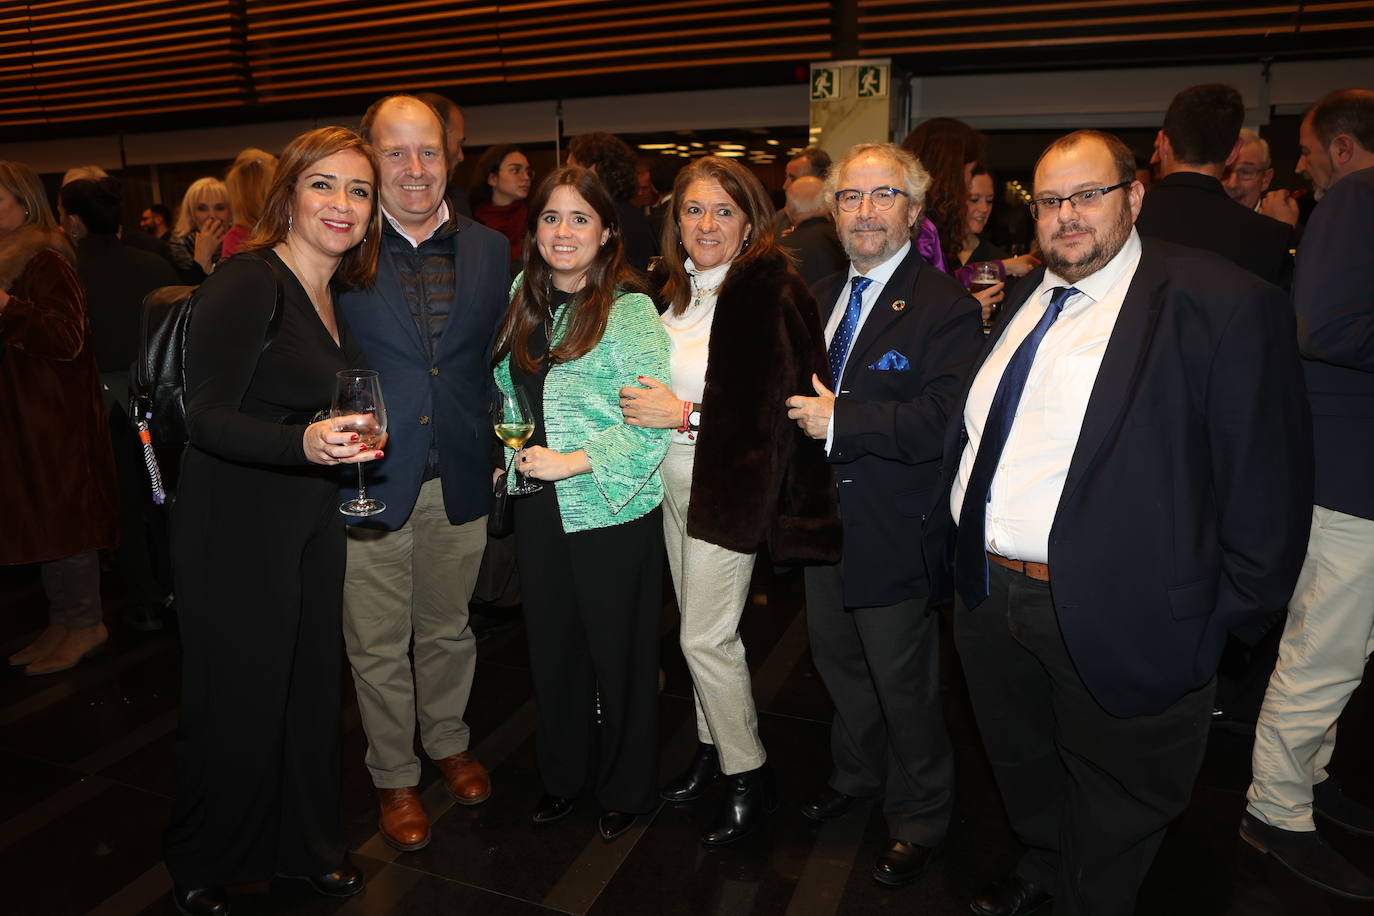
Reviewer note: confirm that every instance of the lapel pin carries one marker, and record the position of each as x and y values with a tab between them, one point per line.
898	305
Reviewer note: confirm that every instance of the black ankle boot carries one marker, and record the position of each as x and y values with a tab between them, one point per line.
200	901
697	778
752	796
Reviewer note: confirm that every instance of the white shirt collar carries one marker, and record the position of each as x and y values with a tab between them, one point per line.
884	271
414	242
1096	285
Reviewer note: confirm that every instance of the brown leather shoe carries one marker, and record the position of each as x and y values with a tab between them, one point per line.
403	823
466	777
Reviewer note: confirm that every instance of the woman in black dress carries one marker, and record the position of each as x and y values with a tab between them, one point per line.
259	541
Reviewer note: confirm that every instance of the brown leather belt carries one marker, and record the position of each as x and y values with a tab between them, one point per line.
1040	571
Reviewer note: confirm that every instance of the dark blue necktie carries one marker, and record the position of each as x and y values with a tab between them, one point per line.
970	553
839	344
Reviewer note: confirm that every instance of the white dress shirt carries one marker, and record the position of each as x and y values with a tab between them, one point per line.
414	242
879	275
689	335
1035	461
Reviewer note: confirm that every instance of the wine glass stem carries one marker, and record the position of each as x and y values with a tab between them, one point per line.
362	490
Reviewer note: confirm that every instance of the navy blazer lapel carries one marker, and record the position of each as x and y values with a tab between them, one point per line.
827	293
883	316
388	289
468	270
1121	363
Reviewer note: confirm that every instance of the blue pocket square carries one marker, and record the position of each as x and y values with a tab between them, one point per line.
891	360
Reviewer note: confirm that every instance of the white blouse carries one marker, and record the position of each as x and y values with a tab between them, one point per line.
690	334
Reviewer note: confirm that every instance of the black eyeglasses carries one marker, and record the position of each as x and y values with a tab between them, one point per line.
1080	201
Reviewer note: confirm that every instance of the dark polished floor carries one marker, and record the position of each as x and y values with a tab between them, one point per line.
87	763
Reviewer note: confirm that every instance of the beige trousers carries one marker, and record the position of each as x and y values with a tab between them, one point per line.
415	582
712	584
1326	642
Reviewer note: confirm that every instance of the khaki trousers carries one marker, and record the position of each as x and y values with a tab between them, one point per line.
712	584
415	582
1326	642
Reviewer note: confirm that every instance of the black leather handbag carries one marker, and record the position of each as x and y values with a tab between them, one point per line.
501	518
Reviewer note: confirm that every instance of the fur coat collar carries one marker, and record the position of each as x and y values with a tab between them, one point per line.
17	249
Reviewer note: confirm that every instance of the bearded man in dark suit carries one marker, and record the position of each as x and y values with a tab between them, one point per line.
1130	470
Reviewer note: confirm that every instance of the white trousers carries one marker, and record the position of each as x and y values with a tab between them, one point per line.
712	585
1326	642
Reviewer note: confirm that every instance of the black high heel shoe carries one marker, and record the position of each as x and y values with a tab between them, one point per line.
753	795
200	901
697	778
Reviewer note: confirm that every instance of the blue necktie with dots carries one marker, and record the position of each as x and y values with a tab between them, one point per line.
970	552
839	344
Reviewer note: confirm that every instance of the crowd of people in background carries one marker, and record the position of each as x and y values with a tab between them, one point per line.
1128	451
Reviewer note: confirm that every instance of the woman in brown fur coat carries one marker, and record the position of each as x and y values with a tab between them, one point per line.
744	332
58	477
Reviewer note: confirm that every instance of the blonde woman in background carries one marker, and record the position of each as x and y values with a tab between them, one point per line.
202	220
247	182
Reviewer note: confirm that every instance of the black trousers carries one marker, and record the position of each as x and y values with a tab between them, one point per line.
591	601
143	547
881	667
258	563
1088	794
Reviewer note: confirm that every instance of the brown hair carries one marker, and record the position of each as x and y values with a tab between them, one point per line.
1122	157
23	182
1345	111
744	189
248	180
945	146
610	157
607	275
358	266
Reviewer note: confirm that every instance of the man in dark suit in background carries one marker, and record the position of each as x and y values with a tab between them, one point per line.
1129	471
116	277
1188	204
901	336
812	241
1330	626
426	326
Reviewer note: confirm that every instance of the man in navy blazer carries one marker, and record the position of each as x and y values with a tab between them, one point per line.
1330	628
426	326
1129	469
901	336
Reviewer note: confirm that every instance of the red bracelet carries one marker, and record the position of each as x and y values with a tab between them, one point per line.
686	412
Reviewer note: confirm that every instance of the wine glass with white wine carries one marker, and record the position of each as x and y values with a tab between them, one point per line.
512	419
359	407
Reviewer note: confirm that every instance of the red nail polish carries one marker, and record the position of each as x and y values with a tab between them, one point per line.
378	455
353	438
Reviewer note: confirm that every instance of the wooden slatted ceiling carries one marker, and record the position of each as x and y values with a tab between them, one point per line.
75	60
80	62
1027	30
297	48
